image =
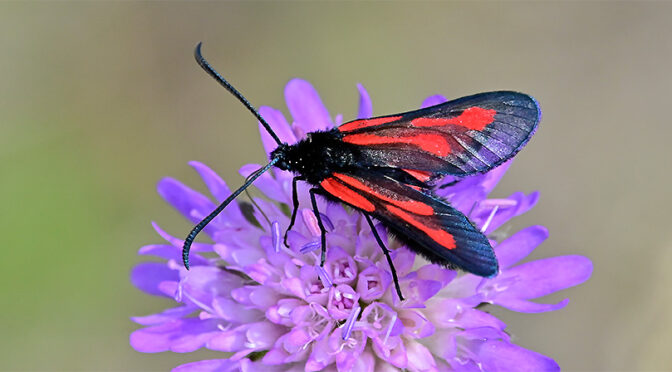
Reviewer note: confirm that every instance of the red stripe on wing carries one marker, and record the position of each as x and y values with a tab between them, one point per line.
472	118
433	143
363	123
421	176
440	236
335	188
413	206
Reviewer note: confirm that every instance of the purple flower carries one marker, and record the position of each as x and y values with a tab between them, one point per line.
274	308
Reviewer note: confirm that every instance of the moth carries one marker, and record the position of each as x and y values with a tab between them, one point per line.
384	167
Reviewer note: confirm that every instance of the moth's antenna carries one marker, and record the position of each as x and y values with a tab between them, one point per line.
220	79
201	225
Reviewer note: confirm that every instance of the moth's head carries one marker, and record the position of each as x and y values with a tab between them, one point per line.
281	153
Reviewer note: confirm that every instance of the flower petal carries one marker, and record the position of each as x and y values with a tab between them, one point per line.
211	365
279	124
147	276
523	204
416	324
341	266
419	357
275	356
464	194
490	179
383	322
220	191
366	362
372	283
392	351
504	356
338	120
539	278
438	273
232	311
342	299
228	341
365	106
347	351
261	297
212	180
519	245
266	183
433	101
306	106
524	306
190	203
169	252
472	189
180	336
282	311
450	313
262	335
178	243
403	260
203	284
417	291
165	316
320	357
442	343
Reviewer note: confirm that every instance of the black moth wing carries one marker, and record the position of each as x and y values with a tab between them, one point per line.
426	224
461	137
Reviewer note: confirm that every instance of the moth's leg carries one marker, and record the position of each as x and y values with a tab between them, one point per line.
295	202
387	254
323	231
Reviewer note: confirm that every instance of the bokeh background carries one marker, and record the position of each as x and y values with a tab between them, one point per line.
99	101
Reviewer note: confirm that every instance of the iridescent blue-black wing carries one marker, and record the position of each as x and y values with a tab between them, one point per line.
461	137
427	225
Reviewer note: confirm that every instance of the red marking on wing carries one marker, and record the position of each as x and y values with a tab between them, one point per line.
413	206
440	236
472	118
363	123
432	143
421	176
344	193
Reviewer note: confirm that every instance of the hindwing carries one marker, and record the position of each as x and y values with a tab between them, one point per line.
428	225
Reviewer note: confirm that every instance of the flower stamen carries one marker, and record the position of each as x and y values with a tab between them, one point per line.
389	328
275	235
309	247
324	277
326	221
350	323
490	217
311	222
504	203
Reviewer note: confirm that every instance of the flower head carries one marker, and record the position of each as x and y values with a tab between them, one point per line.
275	308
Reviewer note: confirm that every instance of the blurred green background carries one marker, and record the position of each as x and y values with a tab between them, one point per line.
98	101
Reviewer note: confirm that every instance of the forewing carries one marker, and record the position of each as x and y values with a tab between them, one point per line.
428	225
468	135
